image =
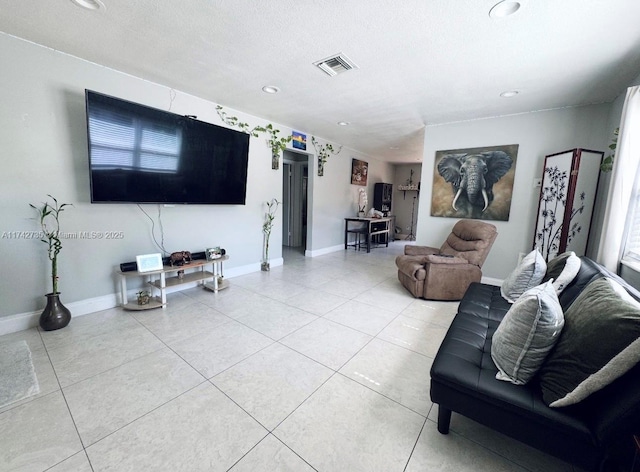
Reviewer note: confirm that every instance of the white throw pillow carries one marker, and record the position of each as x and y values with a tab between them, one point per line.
527	275
526	334
563	269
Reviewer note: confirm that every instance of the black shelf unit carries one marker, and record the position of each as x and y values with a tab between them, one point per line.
382	197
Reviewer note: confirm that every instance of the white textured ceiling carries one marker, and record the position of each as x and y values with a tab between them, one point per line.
421	62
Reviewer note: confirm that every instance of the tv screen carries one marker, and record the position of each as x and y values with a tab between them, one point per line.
139	154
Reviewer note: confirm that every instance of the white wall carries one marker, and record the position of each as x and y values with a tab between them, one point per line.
334	198
43	131
538	134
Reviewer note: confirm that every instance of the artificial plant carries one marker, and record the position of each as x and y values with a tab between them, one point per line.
267	226
607	162
275	142
49	217
235	121
324	151
362	201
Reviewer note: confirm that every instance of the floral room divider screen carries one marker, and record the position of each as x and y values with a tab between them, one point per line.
567	196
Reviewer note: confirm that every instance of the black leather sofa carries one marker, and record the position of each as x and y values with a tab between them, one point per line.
463	381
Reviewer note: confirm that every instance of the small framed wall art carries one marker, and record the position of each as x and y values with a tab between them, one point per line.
299	140
149	262
359	170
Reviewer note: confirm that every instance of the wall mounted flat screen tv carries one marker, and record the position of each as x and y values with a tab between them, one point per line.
139	154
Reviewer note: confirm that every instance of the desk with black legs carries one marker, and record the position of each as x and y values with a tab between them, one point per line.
371	228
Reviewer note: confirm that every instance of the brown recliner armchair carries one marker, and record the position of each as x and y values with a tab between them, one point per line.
446	273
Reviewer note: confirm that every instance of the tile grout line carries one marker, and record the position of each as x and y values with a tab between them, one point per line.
66	402
415	444
333	372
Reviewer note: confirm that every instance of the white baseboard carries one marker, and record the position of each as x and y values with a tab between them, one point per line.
21	321
323	251
491	281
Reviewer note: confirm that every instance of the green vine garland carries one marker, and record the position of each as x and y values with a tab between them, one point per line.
275	141
235	121
324	151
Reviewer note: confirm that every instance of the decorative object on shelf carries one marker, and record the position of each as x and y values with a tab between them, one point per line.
180	275
474	182
213	253
159	280
607	163
409	186
143	297
566	202
359	172
267	226
323	151
55	314
299	140
362	202
179	258
149	262
275	142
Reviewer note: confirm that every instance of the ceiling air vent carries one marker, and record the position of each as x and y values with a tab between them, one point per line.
335	65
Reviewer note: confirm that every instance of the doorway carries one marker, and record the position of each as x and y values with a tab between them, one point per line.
295	185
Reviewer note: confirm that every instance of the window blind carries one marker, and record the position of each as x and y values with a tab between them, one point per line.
122	142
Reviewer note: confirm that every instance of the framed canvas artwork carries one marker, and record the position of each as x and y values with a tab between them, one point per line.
359	170
474	182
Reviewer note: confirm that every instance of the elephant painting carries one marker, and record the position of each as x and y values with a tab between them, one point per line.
474	183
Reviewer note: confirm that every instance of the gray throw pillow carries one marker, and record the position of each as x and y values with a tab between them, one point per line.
528	274
526	334
563	269
599	343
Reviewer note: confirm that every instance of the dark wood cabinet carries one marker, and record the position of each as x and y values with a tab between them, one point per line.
382	197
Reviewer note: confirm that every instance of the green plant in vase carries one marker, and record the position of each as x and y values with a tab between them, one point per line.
277	144
55	314
267	226
324	151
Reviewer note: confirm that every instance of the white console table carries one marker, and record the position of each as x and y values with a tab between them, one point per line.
212	280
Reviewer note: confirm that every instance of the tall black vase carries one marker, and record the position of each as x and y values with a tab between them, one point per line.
55	314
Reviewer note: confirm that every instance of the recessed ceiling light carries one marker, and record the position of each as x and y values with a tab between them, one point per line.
270	89
504	8
89	4
344	123
394	147
509	94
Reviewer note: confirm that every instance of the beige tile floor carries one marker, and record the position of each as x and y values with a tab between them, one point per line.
321	364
